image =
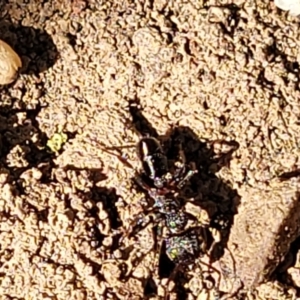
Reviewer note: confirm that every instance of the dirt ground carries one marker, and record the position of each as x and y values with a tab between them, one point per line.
97	74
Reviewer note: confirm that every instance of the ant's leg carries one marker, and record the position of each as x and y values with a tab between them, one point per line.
171	277
221	272
125	161
210	267
121	157
137	225
161	224
186	178
140	222
181	154
141	183
229	295
137	260
137	176
180	164
234	288
133	263
181	175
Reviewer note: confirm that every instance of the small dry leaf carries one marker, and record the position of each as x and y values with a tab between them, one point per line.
10	63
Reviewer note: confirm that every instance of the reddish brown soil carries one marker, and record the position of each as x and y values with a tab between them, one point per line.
218	72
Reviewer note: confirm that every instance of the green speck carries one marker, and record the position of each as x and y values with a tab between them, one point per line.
57	141
173	224
173	253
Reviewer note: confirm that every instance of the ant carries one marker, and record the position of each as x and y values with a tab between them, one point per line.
162	184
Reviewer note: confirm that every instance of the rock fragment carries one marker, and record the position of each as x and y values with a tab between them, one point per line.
10	64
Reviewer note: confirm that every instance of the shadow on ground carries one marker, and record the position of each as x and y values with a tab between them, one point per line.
209	191
29	139
35	46
107	196
38	53
34	154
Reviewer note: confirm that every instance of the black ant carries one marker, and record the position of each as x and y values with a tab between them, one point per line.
183	245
